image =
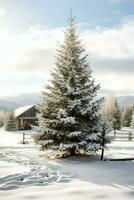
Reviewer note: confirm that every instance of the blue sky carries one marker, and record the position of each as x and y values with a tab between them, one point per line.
29	30
54	13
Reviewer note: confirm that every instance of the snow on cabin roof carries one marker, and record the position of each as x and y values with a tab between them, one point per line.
21	110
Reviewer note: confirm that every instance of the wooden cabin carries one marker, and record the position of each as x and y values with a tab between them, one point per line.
25	117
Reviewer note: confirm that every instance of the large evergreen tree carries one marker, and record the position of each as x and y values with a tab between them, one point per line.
69	114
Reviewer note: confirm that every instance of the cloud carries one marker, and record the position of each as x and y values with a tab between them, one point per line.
120	66
111	43
32	50
35	48
37	60
2	11
111	55
111	52
114	82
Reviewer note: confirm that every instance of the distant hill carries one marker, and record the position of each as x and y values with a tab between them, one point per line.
13	102
125	100
8	105
27	98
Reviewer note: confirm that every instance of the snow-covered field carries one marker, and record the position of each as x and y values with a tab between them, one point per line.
25	173
22	165
121	147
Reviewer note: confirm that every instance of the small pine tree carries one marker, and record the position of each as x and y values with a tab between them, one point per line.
116	123
132	121
111	112
127	115
1	118
69	114
9	122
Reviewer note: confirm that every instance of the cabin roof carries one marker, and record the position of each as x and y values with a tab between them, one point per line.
19	111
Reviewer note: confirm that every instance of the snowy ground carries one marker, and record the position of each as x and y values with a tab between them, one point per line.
22	165
26	174
121	147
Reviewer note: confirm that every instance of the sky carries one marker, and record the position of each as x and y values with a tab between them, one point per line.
30	29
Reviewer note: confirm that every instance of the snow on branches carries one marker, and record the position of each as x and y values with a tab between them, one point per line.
69	117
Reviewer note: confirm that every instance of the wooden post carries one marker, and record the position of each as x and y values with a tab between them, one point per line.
114	134
129	136
103	142
23	141
102	153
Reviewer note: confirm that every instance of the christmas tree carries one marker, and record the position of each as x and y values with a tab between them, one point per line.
69	114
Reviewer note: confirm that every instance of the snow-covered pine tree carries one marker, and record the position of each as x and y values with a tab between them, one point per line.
111	112
116	117
1	118
9	122
127	115
132	121
69	114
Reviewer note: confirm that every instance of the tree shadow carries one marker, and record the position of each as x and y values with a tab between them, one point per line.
103	173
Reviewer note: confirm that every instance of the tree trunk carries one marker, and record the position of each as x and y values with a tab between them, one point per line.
72	152
103	141
102	154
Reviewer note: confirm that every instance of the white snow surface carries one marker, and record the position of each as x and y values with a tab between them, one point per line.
26	173
21	110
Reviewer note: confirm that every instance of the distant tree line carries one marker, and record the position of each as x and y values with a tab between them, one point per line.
112	115
116	116
128	116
